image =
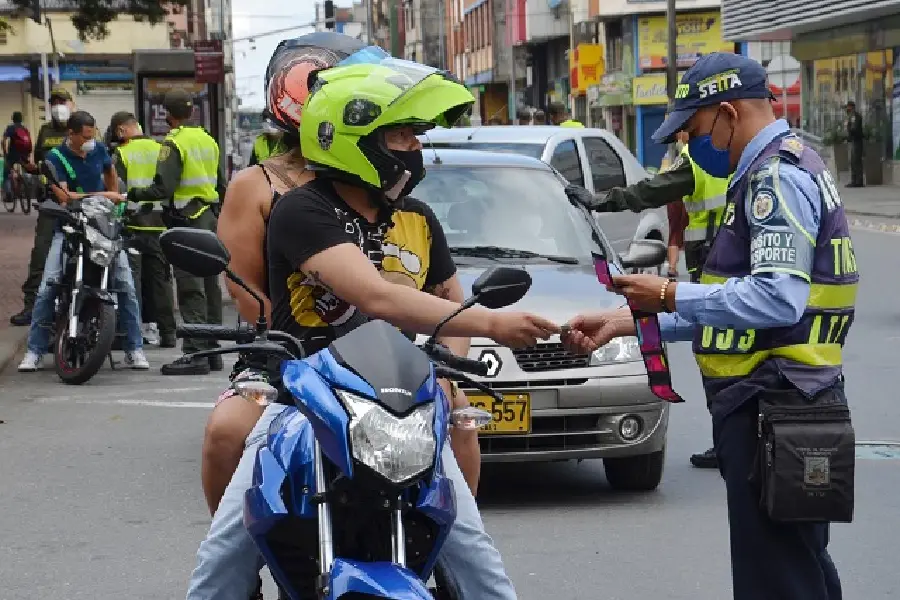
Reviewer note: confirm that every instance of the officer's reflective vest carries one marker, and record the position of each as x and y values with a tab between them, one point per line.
705	205
264	147
139	157
199	165
571	123
808	353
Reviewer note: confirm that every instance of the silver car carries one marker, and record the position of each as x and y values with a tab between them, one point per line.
509	209
595	159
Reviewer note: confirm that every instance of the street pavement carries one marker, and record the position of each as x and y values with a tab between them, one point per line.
100	490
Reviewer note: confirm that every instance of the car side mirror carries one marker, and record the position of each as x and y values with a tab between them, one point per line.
501	286
643	254
197	251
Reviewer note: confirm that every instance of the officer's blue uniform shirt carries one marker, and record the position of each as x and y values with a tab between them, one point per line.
88	170
765	299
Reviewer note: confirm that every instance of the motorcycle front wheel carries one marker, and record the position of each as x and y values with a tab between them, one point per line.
79	358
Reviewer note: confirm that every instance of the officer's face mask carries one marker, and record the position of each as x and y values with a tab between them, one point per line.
59	113
715	161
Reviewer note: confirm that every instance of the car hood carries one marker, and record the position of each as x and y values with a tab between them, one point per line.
558	292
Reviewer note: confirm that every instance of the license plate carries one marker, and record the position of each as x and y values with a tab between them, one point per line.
513	415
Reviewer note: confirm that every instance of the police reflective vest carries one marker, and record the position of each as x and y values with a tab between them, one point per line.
571	123
264	147
199	165
807	353
705	205
139	157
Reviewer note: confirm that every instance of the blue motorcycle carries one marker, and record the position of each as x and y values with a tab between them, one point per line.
349	497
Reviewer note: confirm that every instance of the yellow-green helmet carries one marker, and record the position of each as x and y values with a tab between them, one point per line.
367	92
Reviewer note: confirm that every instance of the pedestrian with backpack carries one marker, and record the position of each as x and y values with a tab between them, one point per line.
17	148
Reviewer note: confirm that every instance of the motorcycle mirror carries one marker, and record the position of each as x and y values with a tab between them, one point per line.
197	251
501	286
643	254
49	171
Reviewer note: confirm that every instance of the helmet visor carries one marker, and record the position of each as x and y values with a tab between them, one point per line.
405	74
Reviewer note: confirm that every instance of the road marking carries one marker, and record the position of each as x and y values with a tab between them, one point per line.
875	227
125	402
878	450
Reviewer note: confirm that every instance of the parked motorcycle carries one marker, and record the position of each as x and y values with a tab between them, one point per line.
349	496
85	317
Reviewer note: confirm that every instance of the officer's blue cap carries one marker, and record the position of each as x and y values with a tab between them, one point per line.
714	78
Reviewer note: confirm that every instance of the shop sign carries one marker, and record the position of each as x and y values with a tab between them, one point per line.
614	89
209	61
95	72
586	66
698	34
650	89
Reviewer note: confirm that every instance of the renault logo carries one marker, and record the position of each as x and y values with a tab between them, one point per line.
492	359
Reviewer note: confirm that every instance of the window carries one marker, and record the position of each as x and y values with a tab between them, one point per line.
604	163
565	160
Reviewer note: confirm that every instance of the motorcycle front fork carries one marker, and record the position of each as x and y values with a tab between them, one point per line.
79	280
326	539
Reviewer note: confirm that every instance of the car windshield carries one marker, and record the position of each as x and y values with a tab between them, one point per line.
532	150
506	211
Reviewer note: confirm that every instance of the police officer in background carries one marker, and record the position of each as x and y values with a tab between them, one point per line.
558	115
189	177
782	263
267	144
51	135
135	159
703	196
856	136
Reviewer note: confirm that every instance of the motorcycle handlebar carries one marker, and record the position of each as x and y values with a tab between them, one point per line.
459	363
241	335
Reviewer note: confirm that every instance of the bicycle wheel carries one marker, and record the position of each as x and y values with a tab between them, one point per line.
26	196
8	195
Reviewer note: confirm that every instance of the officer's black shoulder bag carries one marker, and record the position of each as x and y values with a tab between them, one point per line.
807	456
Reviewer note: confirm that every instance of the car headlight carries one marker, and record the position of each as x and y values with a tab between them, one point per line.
397	448
102	249
618	350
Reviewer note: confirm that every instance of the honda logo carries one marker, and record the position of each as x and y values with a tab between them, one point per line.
492	359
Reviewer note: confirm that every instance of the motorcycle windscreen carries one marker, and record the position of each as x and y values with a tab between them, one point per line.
388	361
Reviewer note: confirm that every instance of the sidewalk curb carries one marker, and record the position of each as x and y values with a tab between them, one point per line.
873	226
12	340
862	213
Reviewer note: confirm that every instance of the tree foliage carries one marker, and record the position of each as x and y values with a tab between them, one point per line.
92	17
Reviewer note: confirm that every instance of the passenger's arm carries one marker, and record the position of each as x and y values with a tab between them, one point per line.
242	229
783	212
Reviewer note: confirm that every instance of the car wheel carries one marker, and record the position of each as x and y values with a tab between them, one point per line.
635	473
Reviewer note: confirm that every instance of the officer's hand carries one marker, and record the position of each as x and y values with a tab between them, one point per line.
643	291
586	333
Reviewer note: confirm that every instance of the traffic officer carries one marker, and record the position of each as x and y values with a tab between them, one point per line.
135	158
703	196
267	144
189	177
558	115
782	263
51	135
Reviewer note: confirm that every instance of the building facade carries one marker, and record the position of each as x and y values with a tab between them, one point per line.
846	50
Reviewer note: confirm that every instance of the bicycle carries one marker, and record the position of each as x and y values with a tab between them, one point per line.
18	187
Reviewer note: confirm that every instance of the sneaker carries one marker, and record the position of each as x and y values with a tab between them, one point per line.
22	319
136	360
705	460
186	366
30	363
151	333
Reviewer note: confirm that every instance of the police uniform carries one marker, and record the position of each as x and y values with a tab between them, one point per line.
135	161
264	147
783	249
50	135
572	123
189	180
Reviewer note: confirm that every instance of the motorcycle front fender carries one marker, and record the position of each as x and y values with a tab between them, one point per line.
376	580
86	293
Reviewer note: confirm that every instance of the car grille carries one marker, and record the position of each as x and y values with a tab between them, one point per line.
549	357
570	432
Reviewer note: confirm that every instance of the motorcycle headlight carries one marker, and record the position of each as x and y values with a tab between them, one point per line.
397	448
618	350
102	249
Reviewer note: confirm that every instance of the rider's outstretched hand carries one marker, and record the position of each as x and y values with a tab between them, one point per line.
520	330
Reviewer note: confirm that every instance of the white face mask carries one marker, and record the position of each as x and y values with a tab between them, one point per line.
60	113
89	146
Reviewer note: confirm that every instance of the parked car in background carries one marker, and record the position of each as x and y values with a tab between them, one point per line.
514	210
592	158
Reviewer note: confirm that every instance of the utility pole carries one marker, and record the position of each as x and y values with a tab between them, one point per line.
443	12
370	37
395	29
671	64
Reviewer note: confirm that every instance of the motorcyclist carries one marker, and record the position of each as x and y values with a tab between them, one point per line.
326	272
51	135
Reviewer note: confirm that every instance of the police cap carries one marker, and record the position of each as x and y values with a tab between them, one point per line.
178	103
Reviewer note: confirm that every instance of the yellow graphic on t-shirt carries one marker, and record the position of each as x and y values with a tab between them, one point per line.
403	259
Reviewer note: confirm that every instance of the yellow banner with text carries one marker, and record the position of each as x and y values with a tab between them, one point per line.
698	34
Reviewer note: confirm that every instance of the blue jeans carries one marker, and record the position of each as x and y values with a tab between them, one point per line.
228	562
42	314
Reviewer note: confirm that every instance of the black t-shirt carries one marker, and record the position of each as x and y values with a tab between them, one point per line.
407	246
